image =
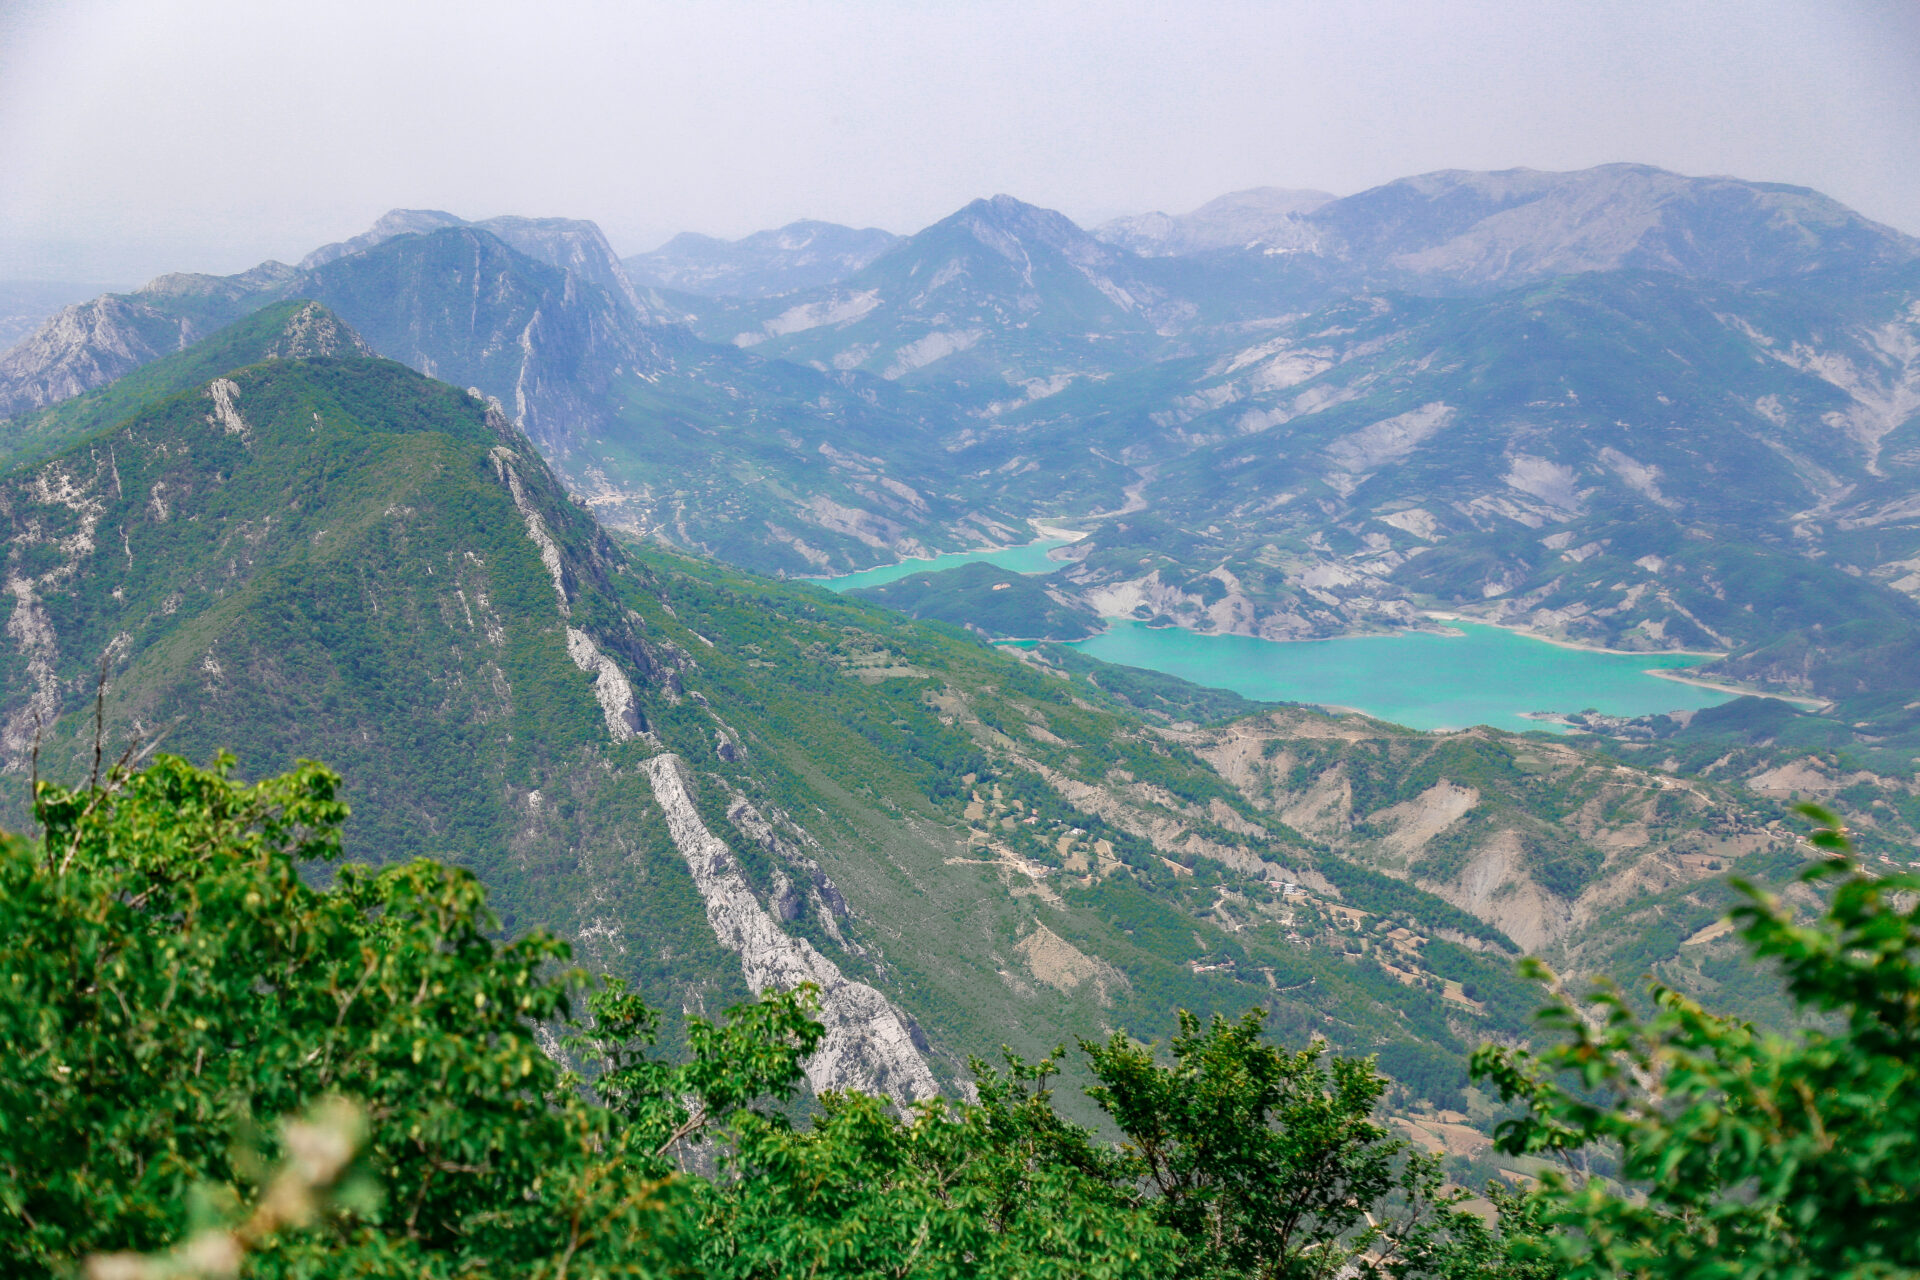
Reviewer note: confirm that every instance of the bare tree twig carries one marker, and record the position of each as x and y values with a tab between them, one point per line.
99	720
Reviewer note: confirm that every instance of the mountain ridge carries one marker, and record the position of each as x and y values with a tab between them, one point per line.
1001	297
576	245
626	406
1472	229
801	255
709	781
1302	444
1518	225
1266	217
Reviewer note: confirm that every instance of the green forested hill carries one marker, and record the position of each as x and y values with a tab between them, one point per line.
986	598
324	561
293	329
338	558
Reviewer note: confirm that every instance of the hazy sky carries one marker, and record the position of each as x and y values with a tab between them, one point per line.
207	135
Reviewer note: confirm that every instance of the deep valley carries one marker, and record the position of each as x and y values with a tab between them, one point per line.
522	537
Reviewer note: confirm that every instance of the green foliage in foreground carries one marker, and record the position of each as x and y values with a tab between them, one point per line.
208	1065
1744	1154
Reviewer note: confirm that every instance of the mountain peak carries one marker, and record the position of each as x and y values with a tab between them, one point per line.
572	244
313	331
1015	213
1270	216
807	254
1003	223
394	222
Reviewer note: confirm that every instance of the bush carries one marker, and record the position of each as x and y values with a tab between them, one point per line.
1741	1154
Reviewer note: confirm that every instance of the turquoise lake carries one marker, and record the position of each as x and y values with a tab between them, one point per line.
1483	676
1031	558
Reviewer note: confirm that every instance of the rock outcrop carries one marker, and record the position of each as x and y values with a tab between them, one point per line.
868	1045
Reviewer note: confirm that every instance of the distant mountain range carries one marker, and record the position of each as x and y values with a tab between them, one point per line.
1495	230
761	461
1003	299
1263	218
800	255
1616	406
1449	230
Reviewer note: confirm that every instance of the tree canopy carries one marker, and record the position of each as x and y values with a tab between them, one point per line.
1743	1153
223	1052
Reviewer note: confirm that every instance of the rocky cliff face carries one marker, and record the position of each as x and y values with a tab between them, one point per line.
461	305
868	1045
91	344
87	345
25	305
573	244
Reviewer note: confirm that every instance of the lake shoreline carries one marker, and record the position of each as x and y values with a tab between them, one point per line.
1433	680
1051	539
1667	665
1662	673
1818	704
1556	641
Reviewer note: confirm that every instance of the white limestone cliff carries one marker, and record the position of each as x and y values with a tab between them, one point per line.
610	686
503	460
868	1046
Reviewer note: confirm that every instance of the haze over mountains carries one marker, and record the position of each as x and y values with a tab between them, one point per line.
800	255
1577	402
359	508
1262	217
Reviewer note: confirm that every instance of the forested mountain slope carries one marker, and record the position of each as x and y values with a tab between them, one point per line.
707	446
713	782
